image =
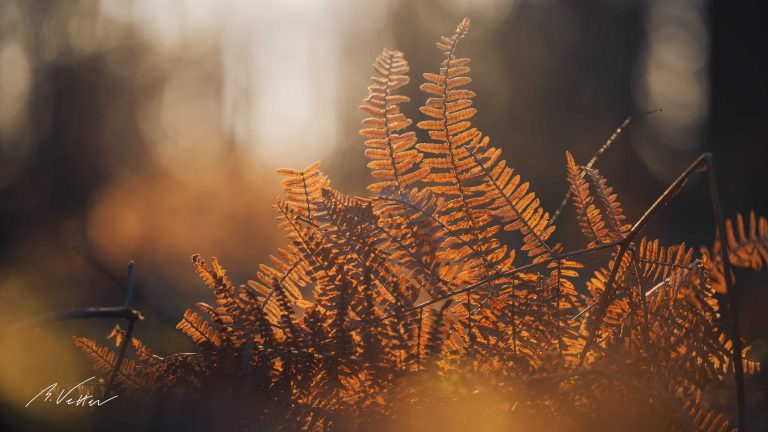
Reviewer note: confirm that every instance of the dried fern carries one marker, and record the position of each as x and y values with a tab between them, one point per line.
375	299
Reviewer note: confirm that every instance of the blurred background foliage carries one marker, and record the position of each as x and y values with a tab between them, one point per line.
148	130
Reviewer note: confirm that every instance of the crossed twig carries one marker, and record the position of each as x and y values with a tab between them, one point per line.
124	312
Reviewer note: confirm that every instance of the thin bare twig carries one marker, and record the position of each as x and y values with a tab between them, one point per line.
606	145
128	332
124	312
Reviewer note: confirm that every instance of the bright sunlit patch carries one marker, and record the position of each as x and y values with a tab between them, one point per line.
673	76
14	85
280	82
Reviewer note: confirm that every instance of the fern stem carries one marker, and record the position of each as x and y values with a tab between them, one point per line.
643	300
418	341
557	311
732	295
119	362
390	146
306	196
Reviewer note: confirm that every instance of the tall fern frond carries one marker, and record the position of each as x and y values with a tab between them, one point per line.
468	172
453	172
390	143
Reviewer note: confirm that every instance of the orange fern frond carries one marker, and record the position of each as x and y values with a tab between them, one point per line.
290	271
706	420
589	216
463	258
468	172
748	250
104	360
103	357
659	262
250	315
613	211
451	163
198	329
744	250
304	187
390	143
143	353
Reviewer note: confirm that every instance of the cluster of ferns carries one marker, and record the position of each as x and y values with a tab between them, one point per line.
407	304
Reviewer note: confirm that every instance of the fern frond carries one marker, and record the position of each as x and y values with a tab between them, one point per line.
413	245
250	317
622	307
589	216
659	262
350	229
464	169
143	353
744	250
103	357
705	419
287	323
390	143
687	345
432	218
104	360
290	271
222	321
513	204
613	211
451	165
198	329
748	250
564	302
302	188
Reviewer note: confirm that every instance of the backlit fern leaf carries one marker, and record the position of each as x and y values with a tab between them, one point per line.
390	143
198	329
706	420
454	174
614	214
748	250
747	247
659	262
104	359
302	188
690	351
246	310
143	353
468	172
424	210
589	216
